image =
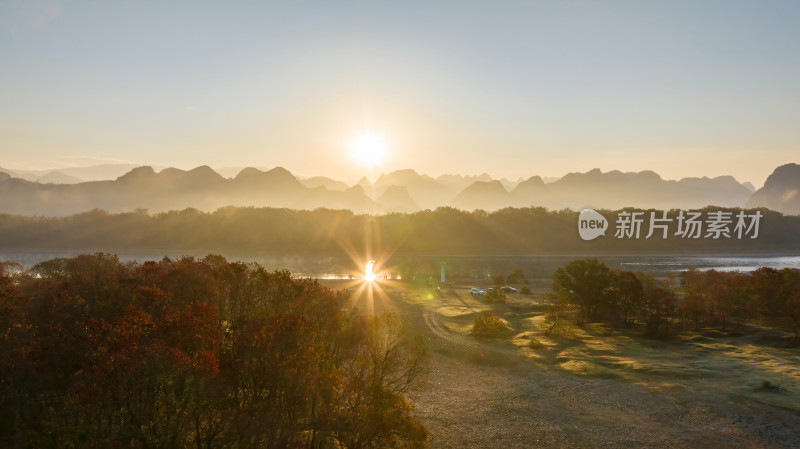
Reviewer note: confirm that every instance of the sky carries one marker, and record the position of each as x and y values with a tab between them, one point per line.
512	89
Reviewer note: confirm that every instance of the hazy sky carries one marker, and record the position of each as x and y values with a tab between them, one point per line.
685	88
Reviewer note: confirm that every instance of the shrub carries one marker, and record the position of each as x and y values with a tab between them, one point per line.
496	296
555	317
489	325
525	290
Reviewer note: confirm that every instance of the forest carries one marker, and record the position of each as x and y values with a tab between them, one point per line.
587	290
199	353
336	232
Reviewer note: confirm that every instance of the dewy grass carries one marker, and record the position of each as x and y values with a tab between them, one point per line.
707	360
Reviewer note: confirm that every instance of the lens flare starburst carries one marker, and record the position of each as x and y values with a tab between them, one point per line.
370	284
369	276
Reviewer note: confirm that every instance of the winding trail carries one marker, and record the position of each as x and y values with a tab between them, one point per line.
435	327
487	395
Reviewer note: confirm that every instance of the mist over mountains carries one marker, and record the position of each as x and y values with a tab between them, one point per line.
781	191
73	175
58	194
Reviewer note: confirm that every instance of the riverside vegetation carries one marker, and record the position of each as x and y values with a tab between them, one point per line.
324	232
205	352
197	353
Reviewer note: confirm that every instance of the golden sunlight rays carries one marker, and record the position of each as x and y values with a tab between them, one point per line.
369	293
371	256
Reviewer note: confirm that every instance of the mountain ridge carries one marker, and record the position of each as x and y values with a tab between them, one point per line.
405	190
781	191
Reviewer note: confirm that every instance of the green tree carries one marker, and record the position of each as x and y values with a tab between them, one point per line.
556	313
630	294
495	296
659	308
586	283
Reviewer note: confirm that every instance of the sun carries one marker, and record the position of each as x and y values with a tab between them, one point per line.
369	149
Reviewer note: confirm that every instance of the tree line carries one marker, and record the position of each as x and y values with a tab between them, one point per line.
335	232
587	290
197	353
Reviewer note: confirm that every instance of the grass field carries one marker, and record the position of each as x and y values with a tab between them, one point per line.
594	386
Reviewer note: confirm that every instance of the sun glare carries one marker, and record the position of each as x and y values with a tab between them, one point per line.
369	149
369	276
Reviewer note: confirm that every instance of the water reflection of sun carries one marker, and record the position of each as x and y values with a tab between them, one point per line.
372	257
369	276
369	287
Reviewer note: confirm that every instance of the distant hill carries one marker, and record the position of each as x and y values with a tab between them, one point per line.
529	192
102	172
173	189
56	177
486	195
328	183
43	176
456	183
231	172
57	193
397	199
424	190
509	184
781	191
645	189
611	190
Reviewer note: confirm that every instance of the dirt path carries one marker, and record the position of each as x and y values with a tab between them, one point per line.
461	342
486	395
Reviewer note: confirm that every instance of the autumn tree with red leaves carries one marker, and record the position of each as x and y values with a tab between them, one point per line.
197	353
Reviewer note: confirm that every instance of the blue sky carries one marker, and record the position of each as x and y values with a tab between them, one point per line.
510	88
